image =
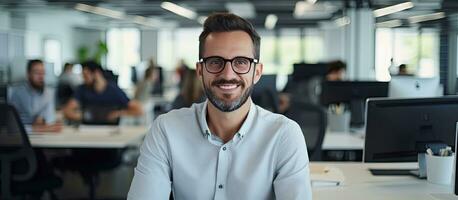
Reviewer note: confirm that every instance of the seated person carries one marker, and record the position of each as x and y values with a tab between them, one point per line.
34	102
68	82
191	91
309	91
144	88
96	90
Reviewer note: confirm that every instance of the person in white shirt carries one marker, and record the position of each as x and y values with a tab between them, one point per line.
226	147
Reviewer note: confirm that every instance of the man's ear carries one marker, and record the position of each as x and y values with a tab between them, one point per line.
199	69
258	72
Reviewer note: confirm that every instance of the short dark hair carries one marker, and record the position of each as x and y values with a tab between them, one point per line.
31	63
67	66
226	22
92	66
336	66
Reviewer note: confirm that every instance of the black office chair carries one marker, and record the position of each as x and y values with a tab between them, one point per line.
313	120
266	99
24	172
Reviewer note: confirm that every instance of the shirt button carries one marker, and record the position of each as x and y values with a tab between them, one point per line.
220	186
224	148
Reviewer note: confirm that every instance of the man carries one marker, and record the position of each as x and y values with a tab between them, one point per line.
34	102
226	147
336	71
96	90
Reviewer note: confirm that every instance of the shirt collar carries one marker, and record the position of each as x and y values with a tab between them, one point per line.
243	129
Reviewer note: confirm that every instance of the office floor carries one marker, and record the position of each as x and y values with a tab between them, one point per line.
113	185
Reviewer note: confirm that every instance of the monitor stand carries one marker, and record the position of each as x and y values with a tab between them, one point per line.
419	173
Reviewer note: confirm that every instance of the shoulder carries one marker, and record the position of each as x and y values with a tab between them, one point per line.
274	118
180	115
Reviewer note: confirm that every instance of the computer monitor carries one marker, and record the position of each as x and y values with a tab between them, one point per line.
414	87
398	129
3	94
305	71
353	93
98	114
265	92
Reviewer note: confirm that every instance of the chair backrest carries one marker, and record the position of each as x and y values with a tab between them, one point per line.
313	120
14	146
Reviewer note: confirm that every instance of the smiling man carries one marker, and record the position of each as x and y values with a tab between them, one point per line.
226	147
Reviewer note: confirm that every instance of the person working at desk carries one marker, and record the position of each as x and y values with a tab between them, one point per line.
97	90
226	147
309	91
34	102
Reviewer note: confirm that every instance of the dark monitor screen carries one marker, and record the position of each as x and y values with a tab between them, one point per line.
304	71
265	92
3	93
397	129
353	93
98	114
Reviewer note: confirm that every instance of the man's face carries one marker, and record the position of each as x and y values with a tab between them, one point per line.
88	77
228	90
337	75
36	76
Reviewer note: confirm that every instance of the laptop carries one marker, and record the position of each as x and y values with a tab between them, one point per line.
98	114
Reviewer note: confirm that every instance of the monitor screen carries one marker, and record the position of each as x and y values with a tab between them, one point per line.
414	87
265	92
305	71
353	93
3	93
397	129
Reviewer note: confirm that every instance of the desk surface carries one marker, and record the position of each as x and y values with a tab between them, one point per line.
342	141
359	183
90	137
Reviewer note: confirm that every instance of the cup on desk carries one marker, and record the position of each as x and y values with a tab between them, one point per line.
339	122
439	169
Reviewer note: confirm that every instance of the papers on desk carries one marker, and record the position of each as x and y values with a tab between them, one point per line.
98	130
325	176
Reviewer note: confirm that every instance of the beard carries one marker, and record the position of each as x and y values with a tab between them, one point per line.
223	105
40	86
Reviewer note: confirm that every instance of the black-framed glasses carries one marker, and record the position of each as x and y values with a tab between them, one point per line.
216	64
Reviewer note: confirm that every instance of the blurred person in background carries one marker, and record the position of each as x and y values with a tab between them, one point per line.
34	102
97	90
309	91
68	82
191	91
145	87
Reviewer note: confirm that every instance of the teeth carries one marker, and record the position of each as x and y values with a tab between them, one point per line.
227	87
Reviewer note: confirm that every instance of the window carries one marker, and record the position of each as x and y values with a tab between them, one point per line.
123	53
267	52
289	49
313	46
187	46
417	48
53	54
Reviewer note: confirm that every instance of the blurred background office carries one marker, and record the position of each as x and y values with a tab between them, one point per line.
321	57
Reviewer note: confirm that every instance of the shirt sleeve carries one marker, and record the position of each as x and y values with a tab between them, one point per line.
16	100
292	179
152	178
78	95
122	97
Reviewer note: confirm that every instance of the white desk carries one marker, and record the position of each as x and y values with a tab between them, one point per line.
360	184
90	138
342	141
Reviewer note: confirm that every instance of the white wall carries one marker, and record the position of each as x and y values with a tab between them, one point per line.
54	25
4	20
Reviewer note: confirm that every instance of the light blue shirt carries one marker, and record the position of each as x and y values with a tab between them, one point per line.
266	159
31	103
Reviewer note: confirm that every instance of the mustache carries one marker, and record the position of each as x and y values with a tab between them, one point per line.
224	81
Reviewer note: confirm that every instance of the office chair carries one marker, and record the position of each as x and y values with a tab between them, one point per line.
313	120
266	99
24	172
